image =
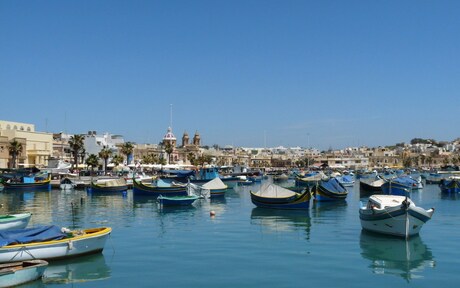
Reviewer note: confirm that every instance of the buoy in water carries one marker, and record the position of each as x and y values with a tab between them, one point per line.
212	213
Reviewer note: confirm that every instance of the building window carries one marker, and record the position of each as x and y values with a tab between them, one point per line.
8	127
28	129
22	128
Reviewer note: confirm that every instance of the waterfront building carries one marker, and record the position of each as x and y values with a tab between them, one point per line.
94	143
37	146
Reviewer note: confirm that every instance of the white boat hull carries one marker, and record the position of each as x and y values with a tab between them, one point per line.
20	222
400	220
54	249
24	275
67	186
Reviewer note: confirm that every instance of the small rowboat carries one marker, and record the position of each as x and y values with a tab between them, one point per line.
50	242
14	221
16	273
177	200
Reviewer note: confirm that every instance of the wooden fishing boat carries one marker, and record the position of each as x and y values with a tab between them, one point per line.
209	173
140	188
346	180
109	186
216	187
38	181
16	273
50	243
177	200
371	184
309	180
393	215
398	186
277	197
450	185
14	221
329	190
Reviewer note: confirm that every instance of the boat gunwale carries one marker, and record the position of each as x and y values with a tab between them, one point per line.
89	234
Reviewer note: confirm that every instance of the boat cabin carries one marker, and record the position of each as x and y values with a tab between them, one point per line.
384	201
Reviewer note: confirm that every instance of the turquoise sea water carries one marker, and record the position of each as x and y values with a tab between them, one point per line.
243	246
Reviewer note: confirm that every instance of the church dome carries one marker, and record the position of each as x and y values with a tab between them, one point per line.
169	135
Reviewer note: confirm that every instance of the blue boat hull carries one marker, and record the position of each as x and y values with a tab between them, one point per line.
450	186
396	189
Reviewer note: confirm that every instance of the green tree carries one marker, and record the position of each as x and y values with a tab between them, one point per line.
105	154
15	149
169	149
191	158
117	159
93	161
127	149
429	160
76	147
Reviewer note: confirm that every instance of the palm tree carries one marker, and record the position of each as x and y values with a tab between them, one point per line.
127	149
429	160
93	161
105	154
191	158
169	149
117	159
15	149
76	146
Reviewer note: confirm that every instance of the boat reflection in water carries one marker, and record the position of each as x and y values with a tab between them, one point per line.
77	270
278	220
396	256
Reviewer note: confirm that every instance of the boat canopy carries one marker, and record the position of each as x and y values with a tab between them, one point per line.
333	185
408	181
347	178
215	183
274	191
179	173
37	234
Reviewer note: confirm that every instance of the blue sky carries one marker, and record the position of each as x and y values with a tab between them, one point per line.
330	74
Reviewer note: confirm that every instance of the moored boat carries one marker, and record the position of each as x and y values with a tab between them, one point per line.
277	197
17	273
39	181
67	184
398	186
346	180
147	189
14	221
310	179
216	187
450	185
329	190
50	243
371	185
108	186
207	174
177	200
393	215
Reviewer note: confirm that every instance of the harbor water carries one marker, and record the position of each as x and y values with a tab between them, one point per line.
243	246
